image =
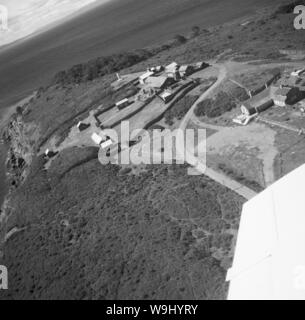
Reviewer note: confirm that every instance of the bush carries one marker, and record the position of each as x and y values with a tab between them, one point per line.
99	67
288	8
215	108
179	110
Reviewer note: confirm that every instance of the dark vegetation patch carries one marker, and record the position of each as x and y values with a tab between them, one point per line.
213	108
93	233
180	109
289	8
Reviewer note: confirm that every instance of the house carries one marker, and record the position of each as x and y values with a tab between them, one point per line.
289	96
160	82
185	71
156	69
247	109
250	109
280	97
172	68
123	104
201	65
83	126
166	96
144	76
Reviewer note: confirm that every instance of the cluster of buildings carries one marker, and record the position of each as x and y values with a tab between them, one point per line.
288	91
161	80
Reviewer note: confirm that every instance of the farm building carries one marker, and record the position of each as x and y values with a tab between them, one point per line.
156	69
172	68
247	109
83	126
289	96
201	65
123	104
159	82
166	96
185	70
280	97
144	76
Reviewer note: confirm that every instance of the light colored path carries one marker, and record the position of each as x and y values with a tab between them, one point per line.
196	162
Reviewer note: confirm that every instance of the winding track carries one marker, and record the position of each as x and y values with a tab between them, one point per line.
196	162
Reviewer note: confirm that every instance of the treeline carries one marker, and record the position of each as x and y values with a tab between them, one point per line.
289	8
102	66
99	67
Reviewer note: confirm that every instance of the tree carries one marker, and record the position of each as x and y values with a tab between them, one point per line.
195	31
180	39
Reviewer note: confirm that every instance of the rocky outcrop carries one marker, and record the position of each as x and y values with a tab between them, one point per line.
21	150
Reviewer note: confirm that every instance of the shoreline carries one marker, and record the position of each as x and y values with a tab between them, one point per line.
5	116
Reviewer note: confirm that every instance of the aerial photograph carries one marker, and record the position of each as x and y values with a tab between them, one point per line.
152	152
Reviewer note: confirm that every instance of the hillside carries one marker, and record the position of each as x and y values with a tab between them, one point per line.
86	231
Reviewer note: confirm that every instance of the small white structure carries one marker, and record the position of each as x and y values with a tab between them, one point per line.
123	104
244	119
269	260
97	139
81	126
144	76
172	68
297	73
106	144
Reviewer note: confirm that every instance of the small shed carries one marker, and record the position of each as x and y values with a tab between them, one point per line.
50	154
83	126
123	104
185	70
97	139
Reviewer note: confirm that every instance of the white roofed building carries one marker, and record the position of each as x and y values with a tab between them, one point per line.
144	76
269	260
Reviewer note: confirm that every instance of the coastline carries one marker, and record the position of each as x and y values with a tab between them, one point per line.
5	116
